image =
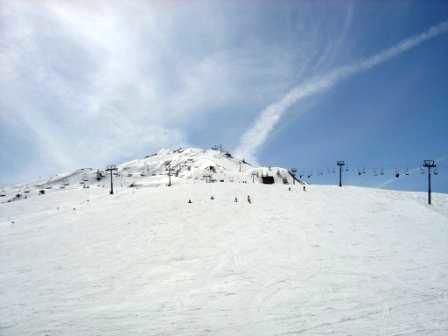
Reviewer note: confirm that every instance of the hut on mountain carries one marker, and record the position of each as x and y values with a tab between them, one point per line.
270	175
267	179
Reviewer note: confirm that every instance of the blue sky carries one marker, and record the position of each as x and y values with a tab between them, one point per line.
96	82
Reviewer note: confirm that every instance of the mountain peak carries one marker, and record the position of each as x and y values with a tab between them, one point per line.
165	167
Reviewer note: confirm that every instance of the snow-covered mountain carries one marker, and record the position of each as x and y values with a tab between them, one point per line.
189	165
145	261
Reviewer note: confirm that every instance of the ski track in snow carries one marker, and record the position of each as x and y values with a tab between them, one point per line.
329	261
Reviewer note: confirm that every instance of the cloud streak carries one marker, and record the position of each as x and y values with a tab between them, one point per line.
258	133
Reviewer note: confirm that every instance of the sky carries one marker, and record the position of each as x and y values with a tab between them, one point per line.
284	83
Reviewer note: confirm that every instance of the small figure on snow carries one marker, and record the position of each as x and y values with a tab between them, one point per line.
236	200
249	200
289	189
212	197
189	201
304	188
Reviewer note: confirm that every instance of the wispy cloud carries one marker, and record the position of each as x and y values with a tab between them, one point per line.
96	82
258	133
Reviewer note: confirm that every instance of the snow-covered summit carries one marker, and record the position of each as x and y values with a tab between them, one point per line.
178	166
201	165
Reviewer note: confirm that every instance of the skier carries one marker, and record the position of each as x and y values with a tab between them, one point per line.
304	188
248	199
236	200
189	201
212	197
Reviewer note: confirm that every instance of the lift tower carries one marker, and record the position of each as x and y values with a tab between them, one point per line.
429	164
340	164
110	169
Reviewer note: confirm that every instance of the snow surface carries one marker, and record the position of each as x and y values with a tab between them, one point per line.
336	261
339	261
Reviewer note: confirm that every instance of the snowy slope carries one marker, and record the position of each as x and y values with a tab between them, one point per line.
348	261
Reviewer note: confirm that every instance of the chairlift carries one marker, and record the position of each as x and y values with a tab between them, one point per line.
375	173
359	172
309	176
382	171
397	173
436	171
407	172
